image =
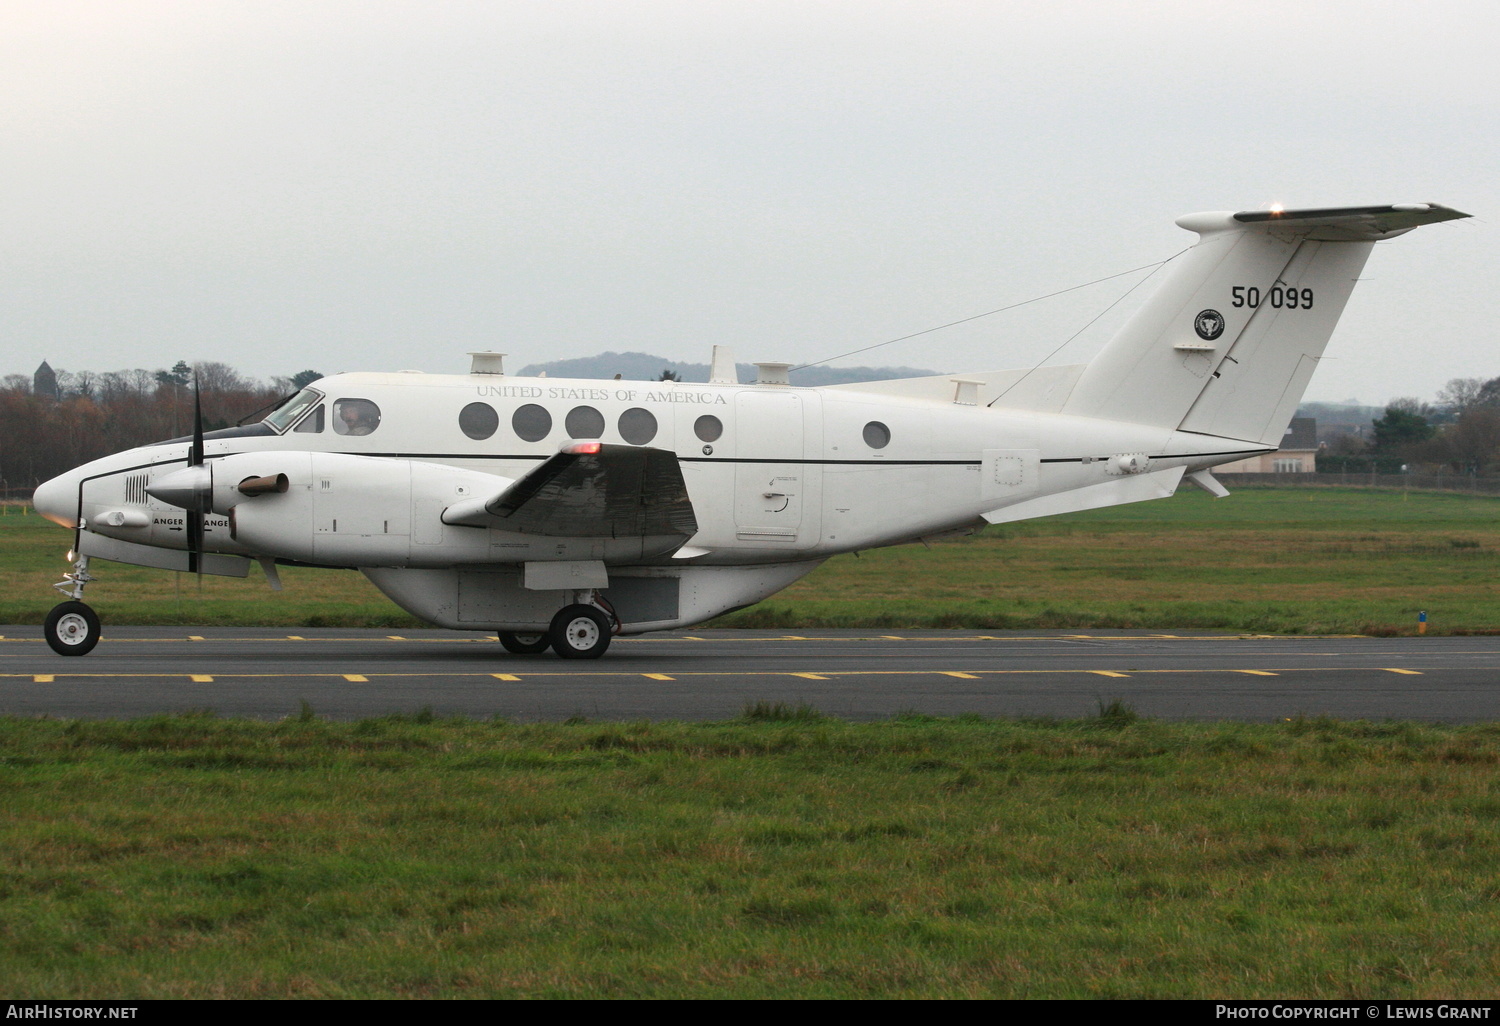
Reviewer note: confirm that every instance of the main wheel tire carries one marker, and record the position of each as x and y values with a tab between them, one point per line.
525	644
72	629
579	632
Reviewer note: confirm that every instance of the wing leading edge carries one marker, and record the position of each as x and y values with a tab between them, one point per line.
590	490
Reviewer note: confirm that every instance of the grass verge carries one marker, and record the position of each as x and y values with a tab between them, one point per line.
188	856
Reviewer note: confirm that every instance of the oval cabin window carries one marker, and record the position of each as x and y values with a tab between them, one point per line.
708	428
637	426
584	422
877	435
478	420
531	422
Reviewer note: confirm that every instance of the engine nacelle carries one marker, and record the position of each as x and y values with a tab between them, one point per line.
342	510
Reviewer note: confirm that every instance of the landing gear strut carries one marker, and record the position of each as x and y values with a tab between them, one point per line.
72	628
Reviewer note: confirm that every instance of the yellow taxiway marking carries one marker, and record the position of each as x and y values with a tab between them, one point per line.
490	639
395	637
657	676
201	678
48	678
356	678
1258	673
956	673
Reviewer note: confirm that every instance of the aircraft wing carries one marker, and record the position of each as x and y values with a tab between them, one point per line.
590	490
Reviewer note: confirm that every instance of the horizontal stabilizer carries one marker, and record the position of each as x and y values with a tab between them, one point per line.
590	490
1158	484
1351	224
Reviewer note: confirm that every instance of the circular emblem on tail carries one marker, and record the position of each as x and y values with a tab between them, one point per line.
1209	324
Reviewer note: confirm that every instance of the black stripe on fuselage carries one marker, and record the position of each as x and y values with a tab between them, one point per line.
684	459
1162	456
680	457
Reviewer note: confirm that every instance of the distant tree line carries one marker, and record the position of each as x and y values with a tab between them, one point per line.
1460	434
53	421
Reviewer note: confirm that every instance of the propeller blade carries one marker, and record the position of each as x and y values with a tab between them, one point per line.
195	542
195	454
195	515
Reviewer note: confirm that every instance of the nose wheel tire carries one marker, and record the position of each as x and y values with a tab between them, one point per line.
72	629
525	644
579	632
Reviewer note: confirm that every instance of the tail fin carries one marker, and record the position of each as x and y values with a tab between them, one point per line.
1231	337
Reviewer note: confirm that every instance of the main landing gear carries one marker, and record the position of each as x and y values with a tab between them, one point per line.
72	628
525	644
578	631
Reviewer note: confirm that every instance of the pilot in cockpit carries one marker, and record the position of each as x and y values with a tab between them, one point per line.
357	417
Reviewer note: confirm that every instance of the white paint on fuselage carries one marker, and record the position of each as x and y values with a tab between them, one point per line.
790	476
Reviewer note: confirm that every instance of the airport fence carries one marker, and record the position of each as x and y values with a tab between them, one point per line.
15	500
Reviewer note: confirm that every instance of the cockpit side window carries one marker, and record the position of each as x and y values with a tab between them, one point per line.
312	423
285	415
355	417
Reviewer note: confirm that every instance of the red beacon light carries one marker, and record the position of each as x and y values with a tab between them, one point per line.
584	448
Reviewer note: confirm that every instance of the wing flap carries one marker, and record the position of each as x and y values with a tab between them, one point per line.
591	490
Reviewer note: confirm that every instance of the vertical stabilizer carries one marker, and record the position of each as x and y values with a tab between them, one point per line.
1230	339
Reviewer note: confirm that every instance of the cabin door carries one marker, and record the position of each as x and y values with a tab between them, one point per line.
776	477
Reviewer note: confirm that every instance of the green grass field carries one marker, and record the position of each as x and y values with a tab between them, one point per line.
786	854
1291	560
190	857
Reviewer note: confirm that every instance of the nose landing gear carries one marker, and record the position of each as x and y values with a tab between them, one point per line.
72	628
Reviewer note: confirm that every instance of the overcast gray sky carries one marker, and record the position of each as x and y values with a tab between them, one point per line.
355	184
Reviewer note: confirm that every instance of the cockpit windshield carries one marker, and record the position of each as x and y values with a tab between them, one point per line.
286	415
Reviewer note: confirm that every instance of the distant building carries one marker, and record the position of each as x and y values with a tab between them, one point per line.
1297	455
44	382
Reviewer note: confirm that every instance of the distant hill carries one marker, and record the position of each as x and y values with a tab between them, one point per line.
1341	413
645	367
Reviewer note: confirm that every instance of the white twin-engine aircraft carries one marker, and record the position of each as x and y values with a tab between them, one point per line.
559	513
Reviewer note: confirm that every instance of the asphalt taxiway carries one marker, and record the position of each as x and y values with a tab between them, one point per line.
693	675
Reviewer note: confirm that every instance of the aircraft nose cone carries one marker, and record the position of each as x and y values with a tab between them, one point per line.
57	500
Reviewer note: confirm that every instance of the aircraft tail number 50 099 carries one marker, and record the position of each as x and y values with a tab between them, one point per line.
1281	296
